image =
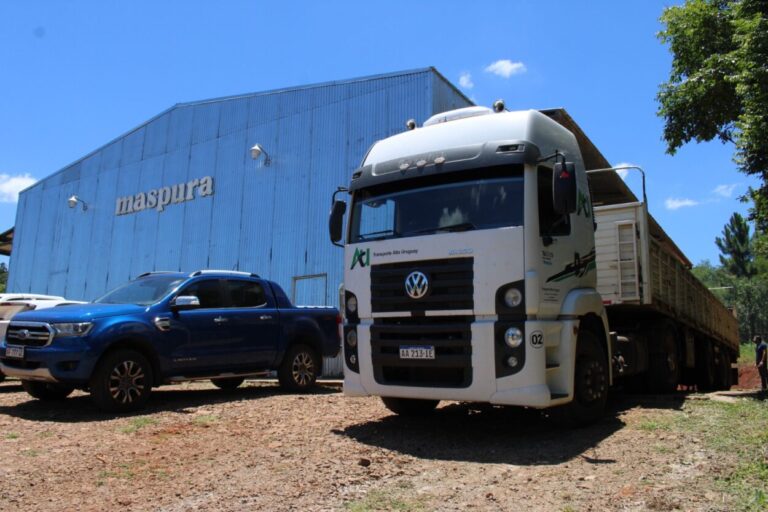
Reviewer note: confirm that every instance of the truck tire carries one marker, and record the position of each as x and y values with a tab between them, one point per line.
723	371
705	368
299	369
664	364
590	387
409	406
122	381
228	383
46	391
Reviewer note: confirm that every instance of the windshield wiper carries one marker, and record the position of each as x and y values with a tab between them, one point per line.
462	226
373	234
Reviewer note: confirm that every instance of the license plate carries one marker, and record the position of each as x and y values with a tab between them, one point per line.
14	352
419	352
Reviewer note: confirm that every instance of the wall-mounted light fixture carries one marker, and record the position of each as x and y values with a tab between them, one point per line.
257	150
72	202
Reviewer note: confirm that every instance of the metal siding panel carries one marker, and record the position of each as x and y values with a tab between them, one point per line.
234	116
46	229
65	220
170	222
197	221
205	122
156	137
180	121
133	147
101	234
445	97
145	230
25	236
86	189
123	228
228	201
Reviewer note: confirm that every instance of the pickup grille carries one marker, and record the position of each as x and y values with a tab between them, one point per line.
450	285
451	337
29	334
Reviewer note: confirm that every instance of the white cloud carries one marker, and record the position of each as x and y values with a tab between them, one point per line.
506	68
725	191
623	173
673	203
465	80
10	186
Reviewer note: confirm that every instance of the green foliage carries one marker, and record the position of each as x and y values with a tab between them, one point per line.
3	277
736	247
718	84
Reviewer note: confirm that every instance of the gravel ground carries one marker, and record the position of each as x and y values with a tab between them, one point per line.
257	448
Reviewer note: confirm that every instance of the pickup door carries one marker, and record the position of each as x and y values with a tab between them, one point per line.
236	328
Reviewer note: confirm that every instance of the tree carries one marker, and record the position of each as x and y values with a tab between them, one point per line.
735	246
3	276
718	84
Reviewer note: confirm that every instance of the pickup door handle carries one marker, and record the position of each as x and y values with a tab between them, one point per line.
265	317
220	320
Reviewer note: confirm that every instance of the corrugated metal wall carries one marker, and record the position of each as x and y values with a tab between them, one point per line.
271	220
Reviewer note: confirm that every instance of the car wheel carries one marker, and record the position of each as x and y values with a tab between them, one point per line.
46	391
228	382
409	406
299	369
122	381
590	389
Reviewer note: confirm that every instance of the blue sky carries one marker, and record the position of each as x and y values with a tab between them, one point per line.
74	75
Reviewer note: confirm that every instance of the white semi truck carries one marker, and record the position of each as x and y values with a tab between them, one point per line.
484	262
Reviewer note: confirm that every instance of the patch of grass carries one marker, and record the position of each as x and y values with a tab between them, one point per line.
30	452
662	448
737	431
652	425
11	435
136	424
205	419
747	353
383	500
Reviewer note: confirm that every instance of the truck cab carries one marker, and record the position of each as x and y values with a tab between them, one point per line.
470	268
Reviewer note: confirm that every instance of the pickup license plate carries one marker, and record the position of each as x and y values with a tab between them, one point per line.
14	352
417	352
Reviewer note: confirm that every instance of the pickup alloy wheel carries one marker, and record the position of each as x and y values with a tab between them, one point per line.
122	381
299	369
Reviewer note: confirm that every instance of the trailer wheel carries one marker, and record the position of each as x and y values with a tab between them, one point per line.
664	364
723	371
409	406
590	383
705	368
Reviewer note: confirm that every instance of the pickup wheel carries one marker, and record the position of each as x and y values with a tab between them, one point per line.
228	382
590	389
409	406
46	391
299	369
122	381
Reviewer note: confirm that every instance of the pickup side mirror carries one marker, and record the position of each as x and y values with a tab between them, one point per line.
185	302
564	188
336	221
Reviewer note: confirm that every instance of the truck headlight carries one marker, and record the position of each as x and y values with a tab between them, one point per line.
352	304
352	338
513	297
72	329
513	337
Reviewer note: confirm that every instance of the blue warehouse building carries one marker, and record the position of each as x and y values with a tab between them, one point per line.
184	192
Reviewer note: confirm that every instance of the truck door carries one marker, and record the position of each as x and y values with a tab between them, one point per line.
255	322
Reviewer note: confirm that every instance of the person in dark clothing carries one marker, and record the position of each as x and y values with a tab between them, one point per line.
761	360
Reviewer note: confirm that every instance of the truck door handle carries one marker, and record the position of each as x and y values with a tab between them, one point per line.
220	320
265	317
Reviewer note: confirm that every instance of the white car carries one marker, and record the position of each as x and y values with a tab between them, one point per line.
13	303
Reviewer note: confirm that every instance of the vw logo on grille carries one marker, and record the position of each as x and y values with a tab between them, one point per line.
23	334
416	285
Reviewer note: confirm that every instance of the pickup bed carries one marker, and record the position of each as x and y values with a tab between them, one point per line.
167	327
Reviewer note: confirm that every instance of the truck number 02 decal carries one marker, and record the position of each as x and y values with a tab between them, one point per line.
537	339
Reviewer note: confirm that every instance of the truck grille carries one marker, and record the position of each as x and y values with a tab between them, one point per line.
29	334
450	285
451	337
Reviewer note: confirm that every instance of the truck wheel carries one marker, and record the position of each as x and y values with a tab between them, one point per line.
228	382
409	406
46	391
664	364
705	369
299	369
590	389
122	381
723	371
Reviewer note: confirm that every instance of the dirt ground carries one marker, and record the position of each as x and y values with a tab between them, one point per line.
257	448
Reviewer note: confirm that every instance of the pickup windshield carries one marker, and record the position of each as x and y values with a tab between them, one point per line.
143	291
463	206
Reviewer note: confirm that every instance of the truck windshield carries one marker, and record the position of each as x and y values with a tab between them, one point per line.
464	206
144	291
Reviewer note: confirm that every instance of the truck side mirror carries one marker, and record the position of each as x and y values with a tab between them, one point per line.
185	302
564	188
336	220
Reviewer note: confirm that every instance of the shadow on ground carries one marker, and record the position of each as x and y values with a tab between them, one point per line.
80	408
489	434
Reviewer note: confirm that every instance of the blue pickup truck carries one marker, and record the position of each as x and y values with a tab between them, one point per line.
167	327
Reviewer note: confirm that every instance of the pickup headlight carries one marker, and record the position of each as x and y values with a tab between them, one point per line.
78	329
